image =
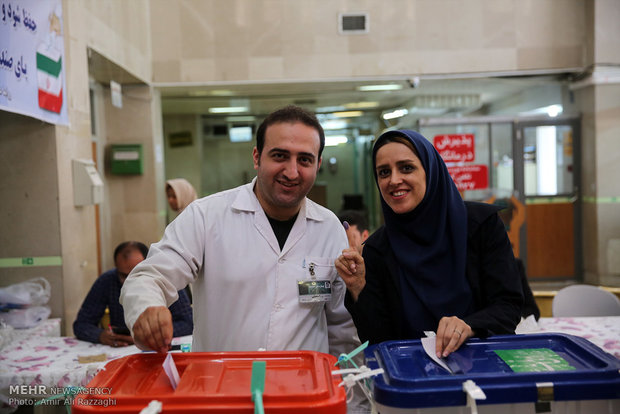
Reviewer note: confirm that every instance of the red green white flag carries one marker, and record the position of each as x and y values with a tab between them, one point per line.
49	70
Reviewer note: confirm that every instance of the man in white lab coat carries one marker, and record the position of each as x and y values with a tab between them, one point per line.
252	253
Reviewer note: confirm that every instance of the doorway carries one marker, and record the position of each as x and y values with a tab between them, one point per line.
527	166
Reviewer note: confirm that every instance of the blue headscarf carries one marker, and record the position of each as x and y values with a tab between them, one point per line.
429	243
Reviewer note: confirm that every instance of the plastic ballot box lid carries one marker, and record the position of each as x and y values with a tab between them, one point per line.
216	382
508	368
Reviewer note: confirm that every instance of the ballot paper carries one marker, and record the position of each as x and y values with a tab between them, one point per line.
170	368
428	344
527	325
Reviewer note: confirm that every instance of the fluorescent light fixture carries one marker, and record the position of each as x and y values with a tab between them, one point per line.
242	118
384	87
397	113
222	92
217	92
361	105
333	140
347	114
554	110
427	111
324	109
447	101
198	93
228	109
334	124
550	110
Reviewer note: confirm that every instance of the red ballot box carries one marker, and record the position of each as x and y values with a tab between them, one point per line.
217	382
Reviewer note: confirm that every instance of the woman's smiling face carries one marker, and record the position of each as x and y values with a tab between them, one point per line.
400	176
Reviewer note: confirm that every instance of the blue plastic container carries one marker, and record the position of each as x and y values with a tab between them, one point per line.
571	368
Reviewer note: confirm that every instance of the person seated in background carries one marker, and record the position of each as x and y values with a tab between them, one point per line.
105	292
357	227
180	193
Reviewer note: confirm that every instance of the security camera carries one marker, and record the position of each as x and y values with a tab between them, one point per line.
413	82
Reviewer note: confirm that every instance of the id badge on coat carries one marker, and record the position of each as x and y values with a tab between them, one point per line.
313	289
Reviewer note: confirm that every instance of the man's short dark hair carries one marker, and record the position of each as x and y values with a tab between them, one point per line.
131	245
290	113
354	218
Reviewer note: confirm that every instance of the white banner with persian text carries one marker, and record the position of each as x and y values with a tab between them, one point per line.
32	59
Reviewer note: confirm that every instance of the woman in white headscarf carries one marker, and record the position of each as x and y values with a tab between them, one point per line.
179	193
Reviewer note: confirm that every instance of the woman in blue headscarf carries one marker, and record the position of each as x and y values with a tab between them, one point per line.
438	264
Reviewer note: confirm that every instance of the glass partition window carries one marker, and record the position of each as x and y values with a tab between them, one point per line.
548	160
502	160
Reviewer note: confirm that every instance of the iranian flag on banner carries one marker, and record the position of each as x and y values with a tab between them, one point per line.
49	68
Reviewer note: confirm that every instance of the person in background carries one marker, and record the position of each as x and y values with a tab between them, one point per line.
438	264
356	227
179	193
105	292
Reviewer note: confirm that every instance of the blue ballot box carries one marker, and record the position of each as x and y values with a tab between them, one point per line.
515	373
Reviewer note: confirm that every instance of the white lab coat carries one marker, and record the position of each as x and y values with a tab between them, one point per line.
244	288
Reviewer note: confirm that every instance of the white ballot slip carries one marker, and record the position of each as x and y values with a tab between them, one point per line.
170	368
428	344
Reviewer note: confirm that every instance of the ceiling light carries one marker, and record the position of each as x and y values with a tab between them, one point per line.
397	113
228	109
347	114
447	101
222	92
554	110
550	110
248	118
427	111
361	105
198	93
384	87
333	140
334	124
324	109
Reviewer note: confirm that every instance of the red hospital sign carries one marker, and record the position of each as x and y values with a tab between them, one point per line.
455	147
470	177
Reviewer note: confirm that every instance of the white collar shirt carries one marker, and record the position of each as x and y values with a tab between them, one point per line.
245	294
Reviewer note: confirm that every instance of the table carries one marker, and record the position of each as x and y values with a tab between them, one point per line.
603	331
52	363
10	335
48	327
